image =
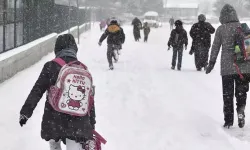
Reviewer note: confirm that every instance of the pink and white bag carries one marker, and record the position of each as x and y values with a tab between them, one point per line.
94	144
73	92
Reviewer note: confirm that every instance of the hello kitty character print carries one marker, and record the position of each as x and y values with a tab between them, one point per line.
72	93
76	95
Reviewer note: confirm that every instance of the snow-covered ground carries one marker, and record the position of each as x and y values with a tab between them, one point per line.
141	105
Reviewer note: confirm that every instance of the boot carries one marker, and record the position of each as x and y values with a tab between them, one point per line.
241	120
172	67
111	67
241	117
228	125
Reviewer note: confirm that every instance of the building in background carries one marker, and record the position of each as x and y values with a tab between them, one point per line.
182	11
186	12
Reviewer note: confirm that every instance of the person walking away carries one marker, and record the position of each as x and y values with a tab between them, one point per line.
102	24
235	78
171	23
201	35
116	38
136	30
146	29
177	40
62	118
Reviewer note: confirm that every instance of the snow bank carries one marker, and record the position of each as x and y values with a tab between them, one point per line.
23	57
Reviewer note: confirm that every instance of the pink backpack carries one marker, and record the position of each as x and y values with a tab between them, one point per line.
73	92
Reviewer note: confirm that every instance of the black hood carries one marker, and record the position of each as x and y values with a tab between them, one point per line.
228	14
65	41
201	18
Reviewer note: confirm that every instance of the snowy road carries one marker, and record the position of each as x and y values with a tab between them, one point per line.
141	105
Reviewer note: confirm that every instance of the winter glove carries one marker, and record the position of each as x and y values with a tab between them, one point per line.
210	67
22	120
191	52
169	47
99	43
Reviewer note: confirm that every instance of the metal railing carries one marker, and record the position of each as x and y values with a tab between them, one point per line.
23	21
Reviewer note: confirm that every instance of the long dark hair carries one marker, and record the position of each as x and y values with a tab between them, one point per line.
65	41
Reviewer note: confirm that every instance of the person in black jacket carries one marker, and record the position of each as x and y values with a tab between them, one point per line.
116	38
146	30
201	35
137	27
58	126
177	39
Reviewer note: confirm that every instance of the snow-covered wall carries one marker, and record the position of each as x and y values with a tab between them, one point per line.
18	59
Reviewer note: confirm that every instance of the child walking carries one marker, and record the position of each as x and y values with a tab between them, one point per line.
177	40
69	113
146	29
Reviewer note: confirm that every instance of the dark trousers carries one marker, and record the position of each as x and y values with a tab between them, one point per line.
201	57
145	37
177	51
110	55
234	85
110	52
137	34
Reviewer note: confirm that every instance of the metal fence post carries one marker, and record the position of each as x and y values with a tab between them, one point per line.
15	20
69	18
4	23
78	22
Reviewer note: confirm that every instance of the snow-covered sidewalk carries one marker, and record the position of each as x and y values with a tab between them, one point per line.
141	105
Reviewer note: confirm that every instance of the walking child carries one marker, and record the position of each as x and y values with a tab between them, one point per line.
69	113
177	40
146	29
116	38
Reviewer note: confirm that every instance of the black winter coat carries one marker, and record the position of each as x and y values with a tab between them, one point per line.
137	24
115	35
146	30
178	38
56	125
201	34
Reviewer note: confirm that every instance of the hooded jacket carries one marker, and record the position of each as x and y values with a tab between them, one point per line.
201	33
115	35
56	125
225	36
178	37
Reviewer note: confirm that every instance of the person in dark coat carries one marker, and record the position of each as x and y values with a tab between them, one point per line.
58	126
146	30
116	38
137	27
201	35
177	40
232	83
171	23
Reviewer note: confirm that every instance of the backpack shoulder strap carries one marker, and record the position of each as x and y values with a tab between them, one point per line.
80	63
59	61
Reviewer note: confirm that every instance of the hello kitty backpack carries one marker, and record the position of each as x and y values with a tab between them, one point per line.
73	92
